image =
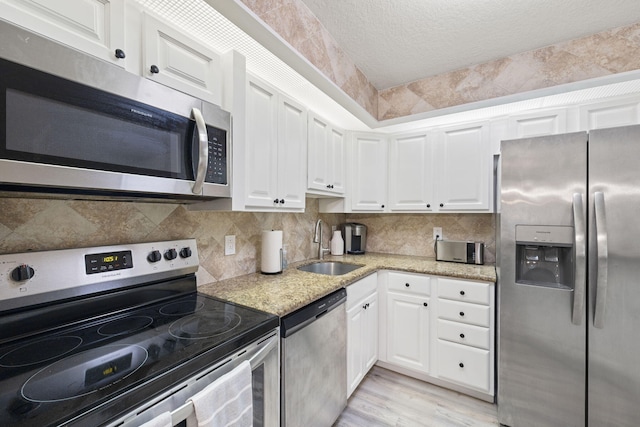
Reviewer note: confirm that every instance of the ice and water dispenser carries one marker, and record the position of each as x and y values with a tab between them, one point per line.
544	256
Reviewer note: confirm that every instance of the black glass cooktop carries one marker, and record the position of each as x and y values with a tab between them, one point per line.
115	362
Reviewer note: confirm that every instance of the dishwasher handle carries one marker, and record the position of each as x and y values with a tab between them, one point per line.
297	320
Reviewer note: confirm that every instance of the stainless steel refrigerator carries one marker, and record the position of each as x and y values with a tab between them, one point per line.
569	280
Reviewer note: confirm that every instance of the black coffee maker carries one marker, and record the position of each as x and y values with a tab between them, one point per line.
355	237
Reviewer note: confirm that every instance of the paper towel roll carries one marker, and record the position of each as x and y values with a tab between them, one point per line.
271	252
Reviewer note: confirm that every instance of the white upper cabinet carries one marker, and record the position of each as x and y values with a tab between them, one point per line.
612	113
539	123
92	26
326	157
464	168
276	136
411	172
369	172
178	61
292	141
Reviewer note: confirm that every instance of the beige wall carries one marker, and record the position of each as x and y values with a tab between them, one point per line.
39	224
606	53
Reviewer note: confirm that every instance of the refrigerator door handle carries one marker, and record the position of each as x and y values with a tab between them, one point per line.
580	262
603	260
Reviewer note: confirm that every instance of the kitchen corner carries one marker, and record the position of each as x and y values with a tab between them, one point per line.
293	289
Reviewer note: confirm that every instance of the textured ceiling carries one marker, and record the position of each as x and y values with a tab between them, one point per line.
396	42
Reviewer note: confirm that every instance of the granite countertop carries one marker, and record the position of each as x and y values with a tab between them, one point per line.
284	293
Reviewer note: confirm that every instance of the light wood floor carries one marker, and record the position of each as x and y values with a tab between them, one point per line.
386	398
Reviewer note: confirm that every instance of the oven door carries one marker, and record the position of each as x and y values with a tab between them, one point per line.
64	136
264	357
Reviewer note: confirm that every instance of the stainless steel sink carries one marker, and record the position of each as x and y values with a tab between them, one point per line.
330	268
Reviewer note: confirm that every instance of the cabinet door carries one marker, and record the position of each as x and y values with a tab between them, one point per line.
178	61
539	123
95	27
318	154
370	333
261	145
408	331
292	142
411	172
336	165
464	168
620	112
369	164
355	351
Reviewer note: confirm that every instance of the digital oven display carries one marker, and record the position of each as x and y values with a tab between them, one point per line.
105	262
107	370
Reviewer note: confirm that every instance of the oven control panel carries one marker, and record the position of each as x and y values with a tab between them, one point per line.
37	277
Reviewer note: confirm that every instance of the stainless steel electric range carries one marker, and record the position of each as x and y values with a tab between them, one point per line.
113	335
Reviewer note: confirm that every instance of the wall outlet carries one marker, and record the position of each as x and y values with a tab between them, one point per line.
229	245
437	233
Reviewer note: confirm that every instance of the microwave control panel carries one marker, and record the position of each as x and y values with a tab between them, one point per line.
217	167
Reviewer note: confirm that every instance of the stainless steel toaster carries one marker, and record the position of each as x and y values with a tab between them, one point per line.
460	251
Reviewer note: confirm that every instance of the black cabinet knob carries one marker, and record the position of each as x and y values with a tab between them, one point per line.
154	69
462	293
282	201
425	304
462	336
441	205
170	254
331	185
120	54
328	186
428	205
364	306
22	273
276	201
462	314
382	206
154	256
406	284
461	364
185	252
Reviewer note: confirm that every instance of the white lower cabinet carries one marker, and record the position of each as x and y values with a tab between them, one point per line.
464	365
362	329
439	329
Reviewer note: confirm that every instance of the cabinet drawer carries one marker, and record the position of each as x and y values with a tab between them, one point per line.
464	365
460	290
462	333
411	283
361	289
472	314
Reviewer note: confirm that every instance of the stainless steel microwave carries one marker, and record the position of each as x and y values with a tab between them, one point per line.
76	126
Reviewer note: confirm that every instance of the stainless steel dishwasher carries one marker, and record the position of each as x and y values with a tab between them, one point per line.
313	368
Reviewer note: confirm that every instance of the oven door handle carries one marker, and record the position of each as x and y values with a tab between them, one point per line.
203	151
185	411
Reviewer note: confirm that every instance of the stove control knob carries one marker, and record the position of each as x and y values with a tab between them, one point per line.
185	252
22	273
154	256
170	254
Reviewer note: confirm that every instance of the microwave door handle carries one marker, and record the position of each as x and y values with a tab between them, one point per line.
203	151
580	262
603	260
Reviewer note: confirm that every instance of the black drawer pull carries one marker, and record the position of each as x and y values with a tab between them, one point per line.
425	304
461	364
154	69
462	336
406	284
462	293
462	314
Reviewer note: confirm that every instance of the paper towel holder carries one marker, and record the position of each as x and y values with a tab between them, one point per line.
271	264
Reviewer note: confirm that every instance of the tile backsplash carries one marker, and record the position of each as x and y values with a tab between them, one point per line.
41	224
412	234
